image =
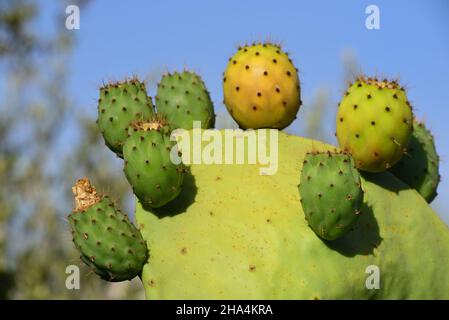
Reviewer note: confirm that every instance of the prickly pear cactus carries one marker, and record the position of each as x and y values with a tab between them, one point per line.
261	87
154	178
331	193
374	123
120	104
109	243
182	97
236	234
419	167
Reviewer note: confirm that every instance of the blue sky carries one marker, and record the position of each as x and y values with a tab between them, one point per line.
120	38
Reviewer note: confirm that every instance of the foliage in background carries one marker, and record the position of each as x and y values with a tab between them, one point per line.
36	167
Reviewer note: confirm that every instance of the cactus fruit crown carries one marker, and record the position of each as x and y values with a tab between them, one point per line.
261	87
182	97
121	103
374	123
384	83
331	193
154	178
109	243
85	195
419	168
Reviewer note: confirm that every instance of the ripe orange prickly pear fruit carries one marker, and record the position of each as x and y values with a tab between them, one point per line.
261	87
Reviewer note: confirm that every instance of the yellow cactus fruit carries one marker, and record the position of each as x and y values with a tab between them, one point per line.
261	87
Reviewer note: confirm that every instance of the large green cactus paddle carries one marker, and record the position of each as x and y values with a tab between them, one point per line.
233	233
236	234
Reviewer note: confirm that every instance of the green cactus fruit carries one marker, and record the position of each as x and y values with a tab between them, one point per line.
236	234
331	193
374	123
120	104
261	87
154	178
108	242
182	97
419	167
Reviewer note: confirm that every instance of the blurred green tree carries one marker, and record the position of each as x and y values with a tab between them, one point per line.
35	170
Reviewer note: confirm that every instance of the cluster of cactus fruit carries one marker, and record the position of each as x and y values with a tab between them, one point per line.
375	128
375	124
133	129
140	134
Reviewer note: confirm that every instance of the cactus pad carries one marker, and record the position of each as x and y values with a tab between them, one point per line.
235	234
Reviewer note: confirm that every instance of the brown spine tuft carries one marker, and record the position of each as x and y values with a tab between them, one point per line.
85	194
